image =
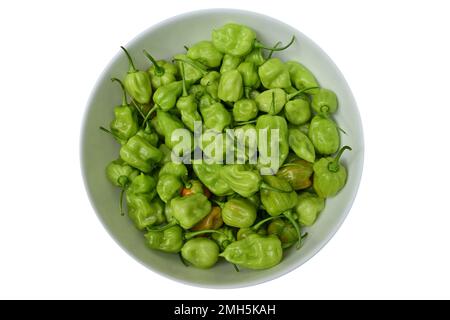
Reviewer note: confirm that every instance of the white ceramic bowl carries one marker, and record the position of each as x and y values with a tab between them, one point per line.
163	41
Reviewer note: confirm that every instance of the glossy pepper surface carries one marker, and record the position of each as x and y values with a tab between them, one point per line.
249	73
205	53
190	210
169	240
231	87
324	135
242	180
276	202
297	111
200	252
166	96
300	76
136	82
209	175
274	74
308	208
216	116
120	173
140	154
161	72
229	62
298	173
239	212
234	39
245	110
301	145
324	101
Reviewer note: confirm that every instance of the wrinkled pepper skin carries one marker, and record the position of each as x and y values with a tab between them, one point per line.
216	117
254	252
137	83
211	83
297	111
230	62
234	39
271	101
274	74
301	145
239	212
140	154
168	187
148	135
298	173
231	87
308	208
168	75
179	170
224	238
125	123
205	53
209	175
190	210
241	180
202	253
169	240
249	73
324	101
193	70
324	135
120	174
329	175
256	57
168	124
301	77
276	202
245	110
166	96
284	230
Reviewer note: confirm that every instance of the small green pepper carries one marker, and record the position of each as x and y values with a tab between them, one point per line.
168	187
169	240
298	173
213	145
179	170
242	180
209	175
120	174
205	101
168	124
211	82
197	91
137	83
125	123
190	210
276	202
230	86
272	101
234	39
308	208
205	53
297	111
245	110
300	76
301	145
249	73
140	154
167	154
239	212
274	74
256	57
187	105
229	62
166	96
211	222
215	116
324	101
224	237
200	252
161	72
193	70
254	252
329	175
284	230
148	135
324	135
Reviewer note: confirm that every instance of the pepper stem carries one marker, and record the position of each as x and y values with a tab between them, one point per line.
294	94
244	122
193	64
122	213
288	215
124	96
272	106
334	166
137	108
148	114
131	66
236	267
272	51
259	224
190	235
165	227
159	71
107	131
219	203
185	93
275	48
265	186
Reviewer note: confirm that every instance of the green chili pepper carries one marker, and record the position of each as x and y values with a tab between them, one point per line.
211	82
215	116
230	62
274	74
169	186
197	91
120	174
125	123
301	145
254	252
256	57
275	202
148	135
193	70
329	175
201	252
179	170
284	230
205	53
249	73
169	240
205	101
272	101
324	101
209	175
234	39
242	180
324	135
166	96
297	173
168	124
140	154
239	212
190	210
187	105
230	86
308	208
297	111
224	237
300	76
161	72
245	110
137	83
167	154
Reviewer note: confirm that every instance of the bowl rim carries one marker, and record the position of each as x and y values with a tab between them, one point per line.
246	283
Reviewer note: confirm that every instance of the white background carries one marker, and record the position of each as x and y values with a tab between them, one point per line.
395	242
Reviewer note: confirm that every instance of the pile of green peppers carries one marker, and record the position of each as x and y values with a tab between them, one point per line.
206	212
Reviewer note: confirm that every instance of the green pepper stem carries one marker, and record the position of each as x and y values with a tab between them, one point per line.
131	66
235	267
272	51
183	79
259	224
137	108
294	94
148	115
159	71
165	227
288	215
124	93
244	122
272	106
260	45
194	65
219	203
190	235
122	213
334	166
108	131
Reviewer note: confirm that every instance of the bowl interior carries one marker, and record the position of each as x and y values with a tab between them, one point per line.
163	41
